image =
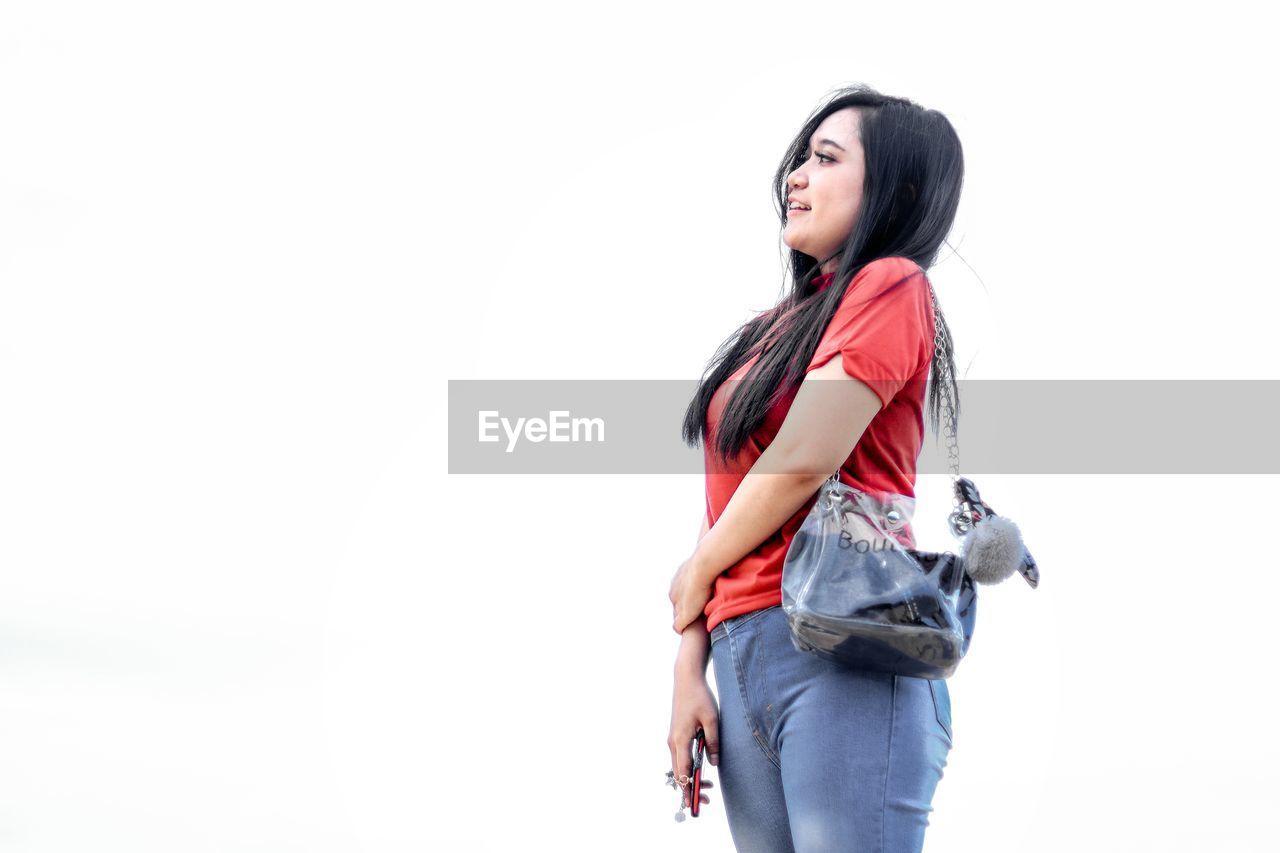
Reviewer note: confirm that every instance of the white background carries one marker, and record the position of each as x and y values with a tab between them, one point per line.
243	605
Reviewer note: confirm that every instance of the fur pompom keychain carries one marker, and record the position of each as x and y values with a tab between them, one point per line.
990	544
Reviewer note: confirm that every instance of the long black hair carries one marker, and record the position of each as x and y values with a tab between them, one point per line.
913	173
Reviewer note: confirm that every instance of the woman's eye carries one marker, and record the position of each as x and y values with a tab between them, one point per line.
823	158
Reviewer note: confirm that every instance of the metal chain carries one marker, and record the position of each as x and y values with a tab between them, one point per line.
684	792
950	427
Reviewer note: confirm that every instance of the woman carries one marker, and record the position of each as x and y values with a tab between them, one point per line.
813	755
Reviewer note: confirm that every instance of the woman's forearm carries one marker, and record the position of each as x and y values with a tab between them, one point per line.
695	647
695	642
759	507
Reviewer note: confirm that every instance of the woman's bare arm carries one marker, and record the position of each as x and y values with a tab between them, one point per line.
695	642
822	427
695	649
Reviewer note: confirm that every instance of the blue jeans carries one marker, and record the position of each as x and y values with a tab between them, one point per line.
816	756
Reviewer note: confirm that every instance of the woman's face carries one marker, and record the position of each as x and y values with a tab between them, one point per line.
829	183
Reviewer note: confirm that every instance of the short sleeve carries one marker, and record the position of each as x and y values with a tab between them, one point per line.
883	327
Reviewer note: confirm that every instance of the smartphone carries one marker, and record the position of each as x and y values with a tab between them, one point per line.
695	784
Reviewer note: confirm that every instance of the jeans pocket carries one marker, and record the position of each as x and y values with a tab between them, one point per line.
734	622
941	705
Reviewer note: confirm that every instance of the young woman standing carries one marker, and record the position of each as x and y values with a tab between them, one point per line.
812	755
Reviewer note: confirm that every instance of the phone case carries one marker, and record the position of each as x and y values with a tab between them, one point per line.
695	800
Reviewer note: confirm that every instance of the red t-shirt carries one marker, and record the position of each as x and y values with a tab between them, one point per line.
885	338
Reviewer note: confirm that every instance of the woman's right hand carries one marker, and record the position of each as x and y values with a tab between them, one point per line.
693	707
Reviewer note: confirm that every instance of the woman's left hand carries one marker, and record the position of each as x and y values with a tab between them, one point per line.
689	595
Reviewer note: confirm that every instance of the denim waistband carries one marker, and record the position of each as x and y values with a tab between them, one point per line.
722	628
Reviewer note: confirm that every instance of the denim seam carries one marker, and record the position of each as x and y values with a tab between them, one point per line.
888	764
746	708
937	715
743	619
728	626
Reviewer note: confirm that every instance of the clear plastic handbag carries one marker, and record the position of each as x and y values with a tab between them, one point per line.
857	591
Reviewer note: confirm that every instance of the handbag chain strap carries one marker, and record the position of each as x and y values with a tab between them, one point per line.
960	518
949	424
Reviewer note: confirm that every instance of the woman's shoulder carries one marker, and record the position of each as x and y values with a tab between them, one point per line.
881	276
891	268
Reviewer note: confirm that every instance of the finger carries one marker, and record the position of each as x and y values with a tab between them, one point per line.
711	731
681	760
707	783
682	621
705	799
